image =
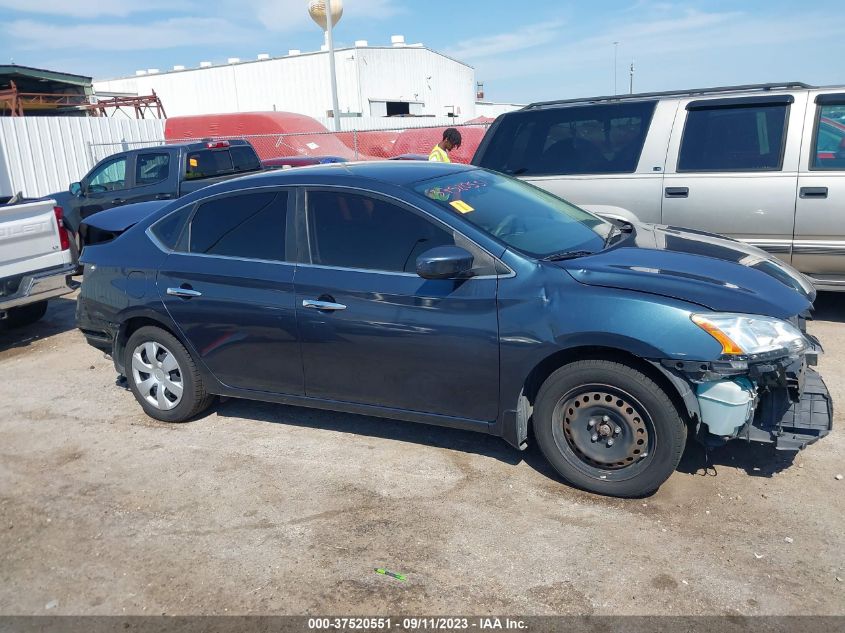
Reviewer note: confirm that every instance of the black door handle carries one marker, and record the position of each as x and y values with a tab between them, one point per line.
118	201
812	192
677	192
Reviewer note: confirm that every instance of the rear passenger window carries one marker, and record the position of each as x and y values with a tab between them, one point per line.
728	138
592	139
355	231
250	226
829	151
152	168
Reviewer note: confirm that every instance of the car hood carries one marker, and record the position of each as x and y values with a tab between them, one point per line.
122	218
702	268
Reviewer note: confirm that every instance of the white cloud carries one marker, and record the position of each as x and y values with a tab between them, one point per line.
523	38
667	43
90	10
172	33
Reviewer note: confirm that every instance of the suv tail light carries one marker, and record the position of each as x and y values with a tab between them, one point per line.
217	144
64	238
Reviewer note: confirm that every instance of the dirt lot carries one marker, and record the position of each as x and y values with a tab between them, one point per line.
262	508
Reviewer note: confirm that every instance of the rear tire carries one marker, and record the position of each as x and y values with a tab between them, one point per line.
26	315
608	428
163	377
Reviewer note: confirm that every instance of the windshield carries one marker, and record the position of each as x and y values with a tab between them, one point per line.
520	215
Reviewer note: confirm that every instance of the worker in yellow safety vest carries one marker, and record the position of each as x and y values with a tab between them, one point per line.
451	140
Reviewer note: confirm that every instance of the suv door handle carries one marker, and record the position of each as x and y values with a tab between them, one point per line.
812	192
677	192
118	201
185	293
322	305
163	196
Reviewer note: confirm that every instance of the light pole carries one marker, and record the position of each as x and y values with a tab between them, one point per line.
631	89
326	13
615	50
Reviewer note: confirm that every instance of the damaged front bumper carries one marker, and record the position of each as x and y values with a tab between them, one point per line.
774	401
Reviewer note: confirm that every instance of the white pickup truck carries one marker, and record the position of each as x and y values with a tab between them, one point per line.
36	260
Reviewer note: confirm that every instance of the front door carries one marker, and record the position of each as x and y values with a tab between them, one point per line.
819	248
732	169
107	186
229	288
378	333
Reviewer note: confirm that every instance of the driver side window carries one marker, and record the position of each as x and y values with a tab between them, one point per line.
110	176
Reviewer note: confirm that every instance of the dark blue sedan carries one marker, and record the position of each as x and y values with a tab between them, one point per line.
455	296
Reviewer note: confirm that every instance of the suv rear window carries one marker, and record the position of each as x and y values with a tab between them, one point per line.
591	139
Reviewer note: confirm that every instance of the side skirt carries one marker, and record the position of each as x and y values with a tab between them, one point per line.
465	424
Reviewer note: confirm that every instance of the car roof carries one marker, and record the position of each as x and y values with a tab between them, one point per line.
394	172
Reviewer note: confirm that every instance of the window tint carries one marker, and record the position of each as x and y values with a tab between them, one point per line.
152	168
595	139
244	158
830	138
110	176
355	231
206	163
748	138
250	225
169	228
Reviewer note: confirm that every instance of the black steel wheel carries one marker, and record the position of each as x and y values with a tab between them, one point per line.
608	428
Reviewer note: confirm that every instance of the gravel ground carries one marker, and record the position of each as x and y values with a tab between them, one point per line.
261	508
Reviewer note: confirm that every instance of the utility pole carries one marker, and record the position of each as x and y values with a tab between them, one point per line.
330	41
615	50
631	91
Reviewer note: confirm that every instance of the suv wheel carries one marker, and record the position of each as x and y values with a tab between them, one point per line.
608	428
163	376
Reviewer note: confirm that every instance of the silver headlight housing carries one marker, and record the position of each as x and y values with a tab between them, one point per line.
751	334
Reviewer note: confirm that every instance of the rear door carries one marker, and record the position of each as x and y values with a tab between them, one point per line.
229	288
154	176
733	168
819	248
385	336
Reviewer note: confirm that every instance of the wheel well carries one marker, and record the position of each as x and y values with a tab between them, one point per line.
128	328
557	360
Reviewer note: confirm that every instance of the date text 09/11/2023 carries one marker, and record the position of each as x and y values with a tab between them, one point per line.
416	623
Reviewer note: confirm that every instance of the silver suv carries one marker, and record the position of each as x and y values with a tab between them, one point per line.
764	164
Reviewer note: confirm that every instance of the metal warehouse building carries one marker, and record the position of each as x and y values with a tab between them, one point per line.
373	81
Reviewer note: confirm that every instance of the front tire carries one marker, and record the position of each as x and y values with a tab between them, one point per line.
608	428
163	377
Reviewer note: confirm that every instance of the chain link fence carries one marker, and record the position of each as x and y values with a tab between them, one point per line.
330	146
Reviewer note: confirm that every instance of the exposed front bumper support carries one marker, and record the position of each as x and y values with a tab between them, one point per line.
793	425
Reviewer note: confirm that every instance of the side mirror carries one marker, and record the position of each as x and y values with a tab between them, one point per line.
75	189
444	262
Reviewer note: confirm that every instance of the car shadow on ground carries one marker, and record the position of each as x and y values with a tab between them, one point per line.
830	306
60	318
367	426
757	460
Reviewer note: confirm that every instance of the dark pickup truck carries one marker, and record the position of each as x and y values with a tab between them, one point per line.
154	173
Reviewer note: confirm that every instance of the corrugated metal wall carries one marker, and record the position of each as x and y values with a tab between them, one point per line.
300	83
42	155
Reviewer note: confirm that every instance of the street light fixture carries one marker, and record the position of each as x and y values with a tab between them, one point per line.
326	20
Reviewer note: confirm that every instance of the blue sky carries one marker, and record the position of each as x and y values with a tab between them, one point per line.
522	51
